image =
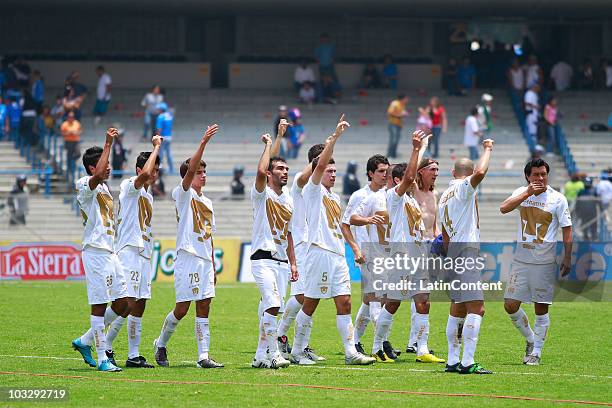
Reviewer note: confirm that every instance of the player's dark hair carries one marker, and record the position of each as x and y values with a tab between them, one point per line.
315	151
142	159
373	163
535	163
185	166
316	161
399	170
91	157
274	160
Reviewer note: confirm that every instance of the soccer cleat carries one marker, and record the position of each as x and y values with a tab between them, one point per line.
389	350
110	355
429	358
382	357
359	359
528	351
260	363
278	361
533	360
452	368
359	348
411	349
137	362
283	346
209	363
473	369
85	352
109	367
311	354
161	355
301	359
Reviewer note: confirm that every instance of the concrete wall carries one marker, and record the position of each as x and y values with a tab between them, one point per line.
266	75
140	75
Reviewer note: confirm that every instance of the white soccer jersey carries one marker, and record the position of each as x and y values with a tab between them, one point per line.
539	219
134	218
271	221
405	217
360	233
458	211
97	211
375	204
323	218
299	228
196	222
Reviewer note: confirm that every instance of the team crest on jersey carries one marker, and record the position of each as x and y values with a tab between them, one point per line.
323	289
195	291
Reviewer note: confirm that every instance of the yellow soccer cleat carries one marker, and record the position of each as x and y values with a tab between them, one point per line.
381	357
429	358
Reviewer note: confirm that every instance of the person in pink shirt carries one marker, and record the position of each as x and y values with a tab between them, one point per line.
438	123
550	116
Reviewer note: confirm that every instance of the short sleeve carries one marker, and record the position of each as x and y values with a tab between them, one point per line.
518	191
464	190
351	208
311	190
563	213
129	187
180	195
256	195
393	199
83	190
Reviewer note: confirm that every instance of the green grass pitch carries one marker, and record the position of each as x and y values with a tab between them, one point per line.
39	319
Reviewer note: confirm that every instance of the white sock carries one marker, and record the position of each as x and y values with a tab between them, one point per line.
471	328
113	331
521	322
361	321
134	330
345	328
375	308
291	310
422	326
269	327
99	338
540	329
413	330
109	316
382	326
202	333
87	337
388	333
167	329
262	345
452	336
303	326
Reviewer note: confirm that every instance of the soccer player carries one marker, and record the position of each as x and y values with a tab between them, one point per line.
272	256
134	247
369	310
194	267
542	210
327	274
461	233
105	281
299	232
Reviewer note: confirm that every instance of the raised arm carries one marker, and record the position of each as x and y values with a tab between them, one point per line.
194	162
101	168
411	169
483	164
147	170
264	162
327	152
514	201
282	128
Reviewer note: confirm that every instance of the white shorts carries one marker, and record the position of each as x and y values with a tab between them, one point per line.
327	274
531	282
272	278
105	280
194	277
136	271
471	276
301	252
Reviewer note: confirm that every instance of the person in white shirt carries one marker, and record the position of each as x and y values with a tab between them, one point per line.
533	72
532	110
561	75
472	133
327	274
194	267
604	190
307	93
105	281
460	220
303	73
516	77
542	210
150	102
134	246
103	94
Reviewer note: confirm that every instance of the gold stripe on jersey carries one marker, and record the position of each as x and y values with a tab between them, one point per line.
415	221
202	219
534	223
105	202
145	213
84	217
383	230
278	219
332	211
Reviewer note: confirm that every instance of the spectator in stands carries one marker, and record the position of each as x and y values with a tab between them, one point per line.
532	111
28	119
57	111
163	126
120	154
533	72
23	72
466	76
561	76
4	121
330	89
103	94
389	72
587	209
424	120
72	103
516	83
18	201
550	117
14	117
237	186
296	134
485	114
450	76
40	129
283	113
608	72
472	133
325	56
350	182
38	88
439	125
307	93
12	88
604	189
73	83
303	74
370	77
573	186
601	75
396	112
586	78
71	132
149	103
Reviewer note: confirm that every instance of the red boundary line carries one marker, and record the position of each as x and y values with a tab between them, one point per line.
308	386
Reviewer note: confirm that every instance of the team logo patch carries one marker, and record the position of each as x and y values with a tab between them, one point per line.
195	291
324	289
